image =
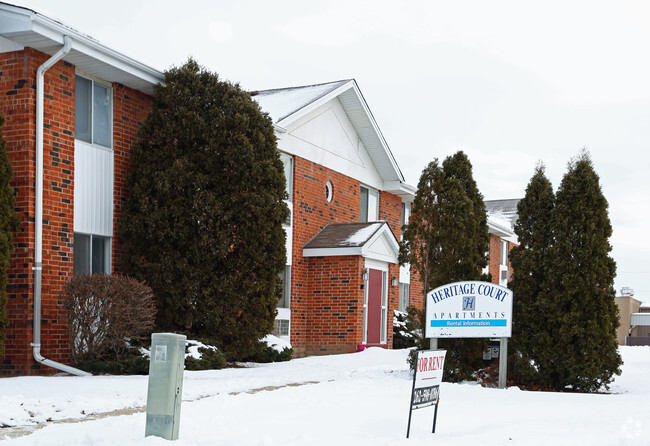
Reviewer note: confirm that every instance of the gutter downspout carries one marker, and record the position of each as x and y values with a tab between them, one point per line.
38	205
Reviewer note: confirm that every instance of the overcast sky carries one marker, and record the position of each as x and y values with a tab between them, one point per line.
508	82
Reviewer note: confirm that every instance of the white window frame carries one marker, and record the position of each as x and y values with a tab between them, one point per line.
107	253
369	264
286	287
94	81
404	298
287	162
406	215
365	216
503	263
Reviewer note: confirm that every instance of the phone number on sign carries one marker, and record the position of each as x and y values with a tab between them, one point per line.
425	395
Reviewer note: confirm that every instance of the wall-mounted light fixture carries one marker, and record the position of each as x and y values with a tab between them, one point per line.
364	274
394	281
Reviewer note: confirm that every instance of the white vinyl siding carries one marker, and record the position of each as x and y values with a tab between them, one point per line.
93	190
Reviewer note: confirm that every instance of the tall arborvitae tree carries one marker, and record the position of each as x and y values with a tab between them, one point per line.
8	225
583	316
530	262
446	241
203	222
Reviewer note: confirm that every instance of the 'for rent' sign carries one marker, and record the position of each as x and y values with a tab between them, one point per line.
426	382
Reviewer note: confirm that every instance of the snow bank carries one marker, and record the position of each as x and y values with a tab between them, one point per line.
359	399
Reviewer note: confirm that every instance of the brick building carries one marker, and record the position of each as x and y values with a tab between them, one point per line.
70	129
348	202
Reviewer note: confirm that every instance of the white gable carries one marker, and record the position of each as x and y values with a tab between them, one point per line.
327	137
382	249
293	108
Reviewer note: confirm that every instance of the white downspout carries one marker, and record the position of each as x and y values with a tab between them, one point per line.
38	205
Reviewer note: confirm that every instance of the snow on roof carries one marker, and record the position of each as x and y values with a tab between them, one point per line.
282	102
340	235
362	235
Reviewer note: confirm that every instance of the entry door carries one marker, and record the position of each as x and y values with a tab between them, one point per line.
376	307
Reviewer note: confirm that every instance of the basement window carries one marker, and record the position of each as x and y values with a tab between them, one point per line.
92	254
281	327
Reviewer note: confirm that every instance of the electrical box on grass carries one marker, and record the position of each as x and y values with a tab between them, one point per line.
165	385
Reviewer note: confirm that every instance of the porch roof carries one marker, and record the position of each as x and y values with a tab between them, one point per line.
373	240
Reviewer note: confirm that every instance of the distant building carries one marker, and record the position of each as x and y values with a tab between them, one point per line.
634	320
502	216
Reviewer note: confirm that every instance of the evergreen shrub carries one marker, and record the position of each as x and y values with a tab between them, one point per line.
202	223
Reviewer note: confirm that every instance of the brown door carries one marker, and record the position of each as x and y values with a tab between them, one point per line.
375	293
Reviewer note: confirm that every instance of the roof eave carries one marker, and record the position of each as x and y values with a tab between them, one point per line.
125	70
376	146
401	189
501	231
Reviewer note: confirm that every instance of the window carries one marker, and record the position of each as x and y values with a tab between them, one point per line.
91	254
285	276
287	160
504	253
369	204
504	272
404	289
406	215
93	112
329	191
281	327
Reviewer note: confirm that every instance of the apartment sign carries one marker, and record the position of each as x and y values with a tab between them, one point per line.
470	309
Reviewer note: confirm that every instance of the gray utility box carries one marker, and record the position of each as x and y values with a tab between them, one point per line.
165	385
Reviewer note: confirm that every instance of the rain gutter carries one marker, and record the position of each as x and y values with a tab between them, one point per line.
38	205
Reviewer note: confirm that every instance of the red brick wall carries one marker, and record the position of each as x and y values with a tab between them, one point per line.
393	300
18	105
495	258
130	108
18	87
416	290
311	213
334	304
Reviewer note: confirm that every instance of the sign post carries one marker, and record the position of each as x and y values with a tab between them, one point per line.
426	383
472	309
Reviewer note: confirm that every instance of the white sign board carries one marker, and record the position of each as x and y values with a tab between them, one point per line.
469	309
426	382
427	378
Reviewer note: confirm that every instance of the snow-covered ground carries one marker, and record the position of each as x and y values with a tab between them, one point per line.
356	399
